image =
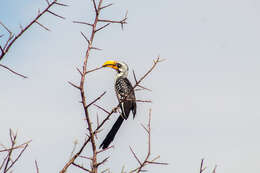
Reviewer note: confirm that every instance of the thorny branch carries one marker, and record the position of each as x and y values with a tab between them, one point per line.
97	6
10	159
109	113
12	37
203	168
147	159
94	165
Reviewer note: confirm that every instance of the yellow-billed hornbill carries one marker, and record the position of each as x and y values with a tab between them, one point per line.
126	97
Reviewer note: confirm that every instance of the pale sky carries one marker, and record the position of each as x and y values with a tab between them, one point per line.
205	95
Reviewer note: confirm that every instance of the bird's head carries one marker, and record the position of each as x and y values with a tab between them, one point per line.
119	66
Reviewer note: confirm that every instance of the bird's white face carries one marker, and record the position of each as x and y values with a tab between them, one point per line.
122	67
119	66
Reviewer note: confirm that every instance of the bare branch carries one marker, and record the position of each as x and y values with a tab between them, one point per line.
201	166
144	88
61	4
102	109
105	6
95	7
47	2
12	71
36	166
95	48
11	40
103	161
20	154
102	27
10	33
79	72
72	84
9	161
134	76
135	156
112	146
81	167
94	69
84	23
85	157
44	27
94	101
85	37
16	147
147	158
55	14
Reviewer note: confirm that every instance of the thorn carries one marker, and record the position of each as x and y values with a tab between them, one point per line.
102	27
61	4
85	37
12	70
44	27
47	2
106	6
95	48
74	85
79	71
55	14
84	23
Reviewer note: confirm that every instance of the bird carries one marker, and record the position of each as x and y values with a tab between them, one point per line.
125	95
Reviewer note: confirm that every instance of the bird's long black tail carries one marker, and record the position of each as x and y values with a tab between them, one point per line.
111	134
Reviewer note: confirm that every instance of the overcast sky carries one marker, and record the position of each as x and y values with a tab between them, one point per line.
205	95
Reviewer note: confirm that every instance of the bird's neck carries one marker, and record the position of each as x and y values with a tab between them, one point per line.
122	74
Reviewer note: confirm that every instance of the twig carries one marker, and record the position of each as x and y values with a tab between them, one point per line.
72	84
12	71
147	158
103	109
81	167
20	154
43	26
135	156
85	23
105	6
12	40
94	101
85	37
103	161
201	166
102	27
36	166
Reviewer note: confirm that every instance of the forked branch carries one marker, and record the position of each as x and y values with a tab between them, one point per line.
11	157
12	37
147	160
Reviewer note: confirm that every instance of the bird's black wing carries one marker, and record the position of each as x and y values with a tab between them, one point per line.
124	89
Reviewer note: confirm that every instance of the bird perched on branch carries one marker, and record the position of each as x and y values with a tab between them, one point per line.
125	95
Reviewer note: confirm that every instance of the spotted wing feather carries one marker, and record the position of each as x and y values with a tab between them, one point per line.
125	89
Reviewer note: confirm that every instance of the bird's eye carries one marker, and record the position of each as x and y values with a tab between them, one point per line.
118	65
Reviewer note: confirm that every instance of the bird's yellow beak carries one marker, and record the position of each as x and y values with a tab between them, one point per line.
111	64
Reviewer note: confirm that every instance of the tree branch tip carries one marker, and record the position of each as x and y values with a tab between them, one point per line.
44	27
47	2
84	23
85	37
105	6
59	16
95	48
12	71
72	84
145	128
61	4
